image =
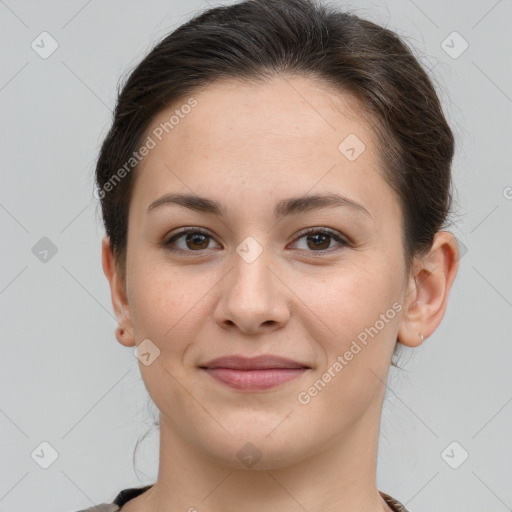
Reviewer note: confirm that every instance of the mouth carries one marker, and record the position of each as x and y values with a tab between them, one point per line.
255	373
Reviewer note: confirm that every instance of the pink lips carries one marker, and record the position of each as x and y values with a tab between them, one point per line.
255	373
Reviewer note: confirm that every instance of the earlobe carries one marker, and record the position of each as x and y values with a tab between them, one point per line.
124	331
124	336
431	281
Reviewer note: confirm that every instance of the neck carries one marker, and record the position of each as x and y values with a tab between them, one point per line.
341	477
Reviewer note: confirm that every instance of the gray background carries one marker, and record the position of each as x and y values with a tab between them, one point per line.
64	378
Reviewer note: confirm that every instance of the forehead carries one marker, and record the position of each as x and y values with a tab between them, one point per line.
281	135
293	109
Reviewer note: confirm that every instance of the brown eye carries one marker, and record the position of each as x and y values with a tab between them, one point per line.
196	241
187	241
319	240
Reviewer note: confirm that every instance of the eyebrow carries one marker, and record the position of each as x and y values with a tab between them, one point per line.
289	206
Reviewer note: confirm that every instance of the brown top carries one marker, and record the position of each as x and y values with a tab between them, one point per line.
128	494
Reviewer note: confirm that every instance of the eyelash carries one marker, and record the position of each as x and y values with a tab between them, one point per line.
324	231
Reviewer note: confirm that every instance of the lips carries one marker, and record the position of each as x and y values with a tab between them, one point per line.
263	362
255	373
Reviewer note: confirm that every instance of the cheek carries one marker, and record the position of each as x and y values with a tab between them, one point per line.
159	302
345	301
356	342
360	309
163	306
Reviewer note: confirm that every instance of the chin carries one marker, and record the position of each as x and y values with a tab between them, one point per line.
252	448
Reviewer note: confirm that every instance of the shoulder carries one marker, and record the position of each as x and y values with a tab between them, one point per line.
123	497
102	507
394	504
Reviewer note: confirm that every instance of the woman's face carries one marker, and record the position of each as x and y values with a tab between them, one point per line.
253	282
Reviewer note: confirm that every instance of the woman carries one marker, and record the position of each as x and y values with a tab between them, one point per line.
274	190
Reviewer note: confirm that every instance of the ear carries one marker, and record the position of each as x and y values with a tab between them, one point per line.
118	294
429	286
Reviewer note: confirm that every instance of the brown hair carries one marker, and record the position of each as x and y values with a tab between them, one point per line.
254	40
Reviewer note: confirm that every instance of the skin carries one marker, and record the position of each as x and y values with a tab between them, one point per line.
249	146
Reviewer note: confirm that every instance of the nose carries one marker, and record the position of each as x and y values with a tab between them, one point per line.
253	297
